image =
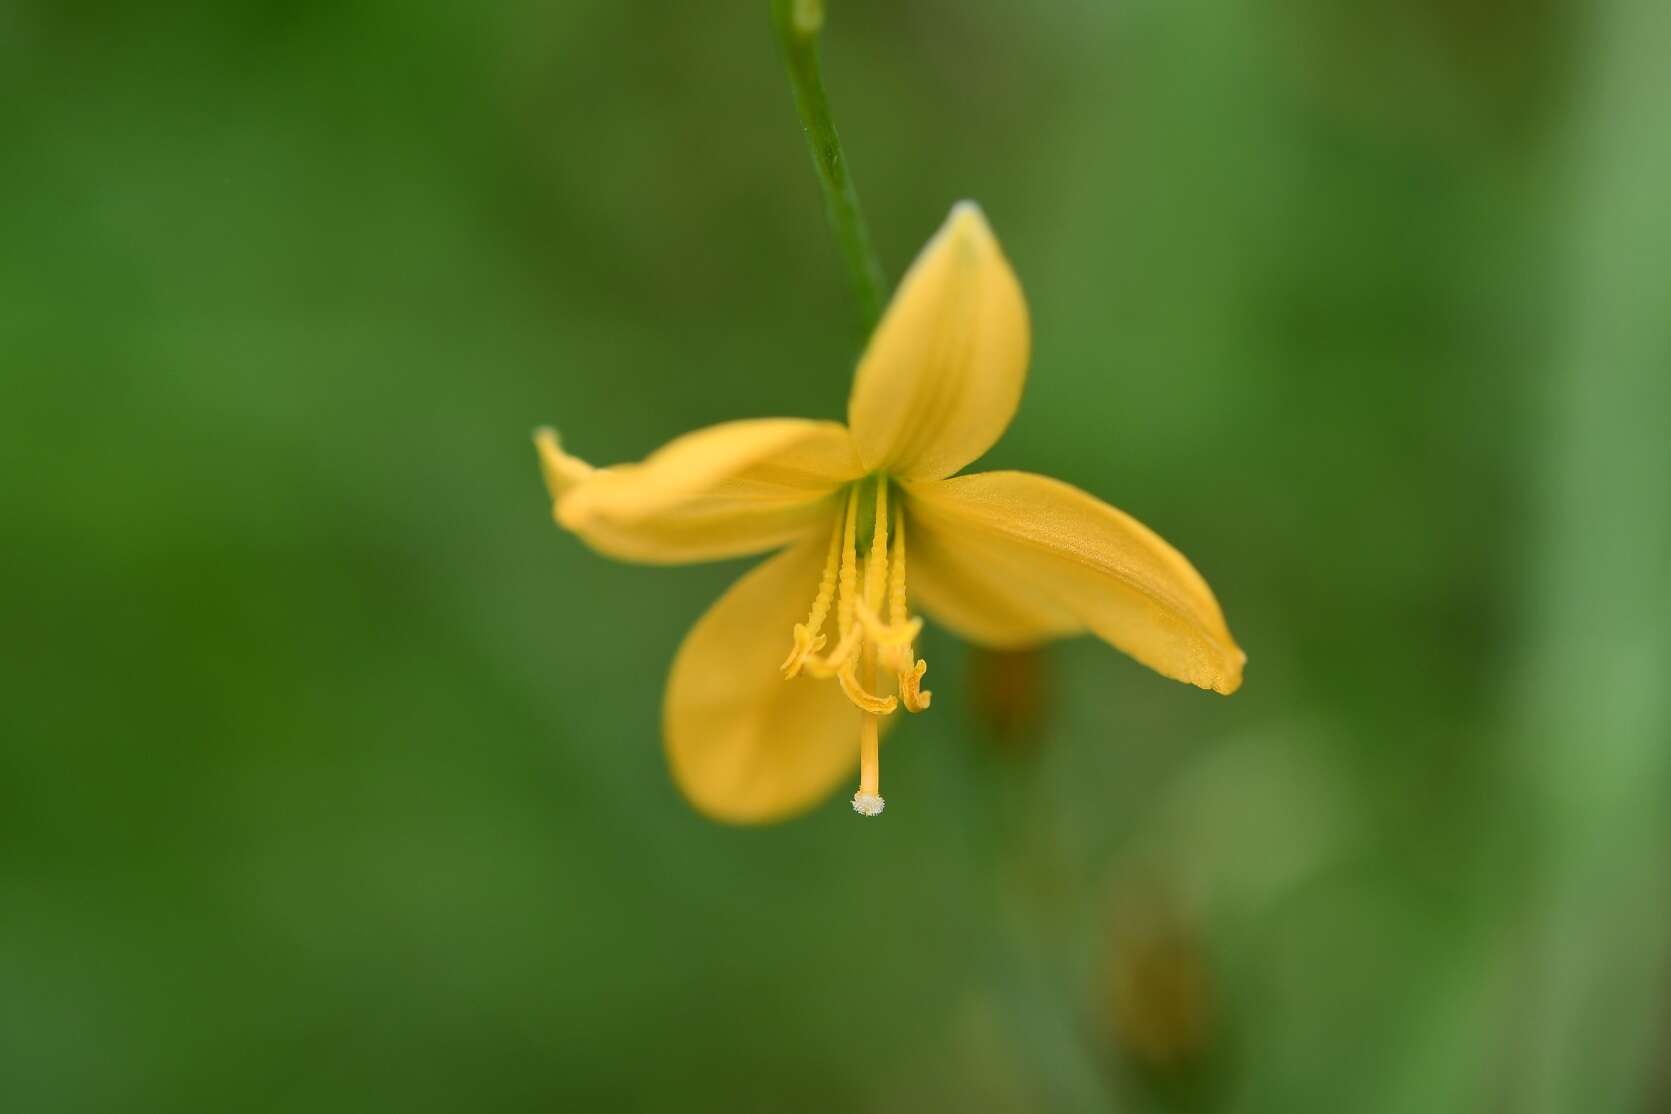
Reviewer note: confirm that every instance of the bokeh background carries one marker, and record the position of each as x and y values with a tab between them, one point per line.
330	775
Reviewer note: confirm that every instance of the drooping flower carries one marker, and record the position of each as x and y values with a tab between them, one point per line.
1004	559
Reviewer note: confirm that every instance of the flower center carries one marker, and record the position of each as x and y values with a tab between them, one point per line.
865	643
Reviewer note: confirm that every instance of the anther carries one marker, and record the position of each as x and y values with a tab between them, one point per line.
832	664
858	694
911	693
806	643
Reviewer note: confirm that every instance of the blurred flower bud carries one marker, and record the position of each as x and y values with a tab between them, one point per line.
1008	693
1157	987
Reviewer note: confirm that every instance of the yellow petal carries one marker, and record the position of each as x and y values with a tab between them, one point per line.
1010	558
744	745
942	376
561	471
724	491
963	590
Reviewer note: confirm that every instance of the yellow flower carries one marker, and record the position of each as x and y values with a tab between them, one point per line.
1005	559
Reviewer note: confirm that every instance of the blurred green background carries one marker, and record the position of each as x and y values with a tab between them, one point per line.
330	773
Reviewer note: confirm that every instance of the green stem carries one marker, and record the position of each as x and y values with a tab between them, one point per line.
797	23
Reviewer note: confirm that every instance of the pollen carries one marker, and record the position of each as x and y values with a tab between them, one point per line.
867	646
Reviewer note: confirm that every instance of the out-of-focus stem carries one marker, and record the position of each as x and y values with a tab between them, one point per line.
1598	746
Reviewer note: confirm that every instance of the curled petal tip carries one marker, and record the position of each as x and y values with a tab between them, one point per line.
562	472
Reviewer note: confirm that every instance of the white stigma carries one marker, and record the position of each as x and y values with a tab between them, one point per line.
868	804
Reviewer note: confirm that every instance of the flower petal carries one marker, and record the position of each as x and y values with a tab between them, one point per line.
731	489
744	745
1010	558
942	376
962	589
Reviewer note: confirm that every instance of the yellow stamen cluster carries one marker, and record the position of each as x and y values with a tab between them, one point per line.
865	642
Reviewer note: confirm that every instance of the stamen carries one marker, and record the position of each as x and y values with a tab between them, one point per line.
849	563
896	580
865	641
808	639
907	667
851	635
876	565
876	571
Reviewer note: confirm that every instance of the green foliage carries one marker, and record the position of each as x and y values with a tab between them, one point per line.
330	773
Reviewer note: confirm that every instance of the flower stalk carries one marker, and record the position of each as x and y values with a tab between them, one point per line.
797	24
